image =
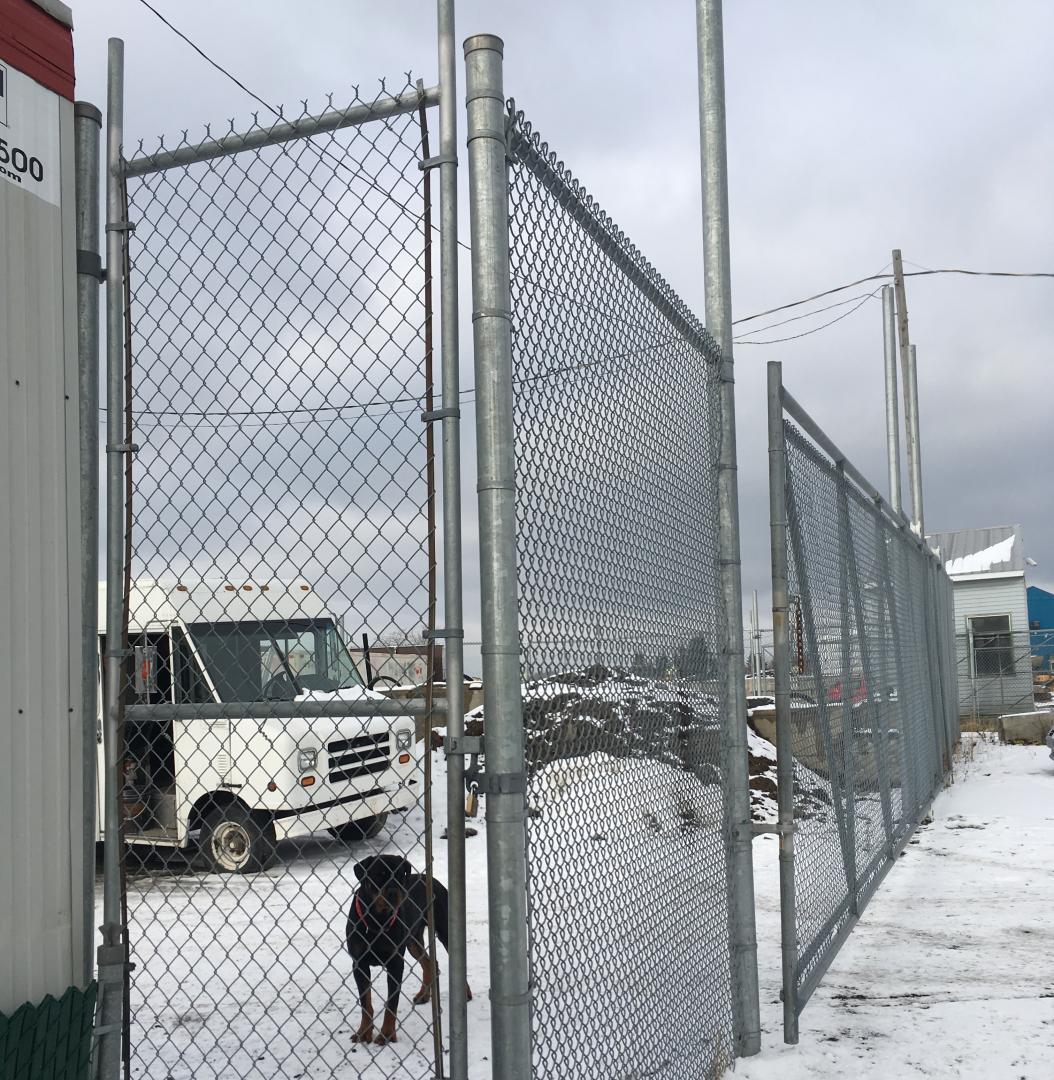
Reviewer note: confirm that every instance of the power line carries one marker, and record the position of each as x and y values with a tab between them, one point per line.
816	329
883	277
798	318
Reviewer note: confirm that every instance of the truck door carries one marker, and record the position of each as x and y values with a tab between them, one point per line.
202	747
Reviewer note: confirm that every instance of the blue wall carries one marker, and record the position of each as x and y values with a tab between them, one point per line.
1041	611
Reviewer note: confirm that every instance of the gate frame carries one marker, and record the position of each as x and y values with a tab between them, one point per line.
113	953
780	404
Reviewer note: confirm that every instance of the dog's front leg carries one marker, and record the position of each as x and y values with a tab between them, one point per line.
362	982
395	969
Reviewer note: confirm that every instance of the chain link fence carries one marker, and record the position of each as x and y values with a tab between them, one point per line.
995	668
280	517
865	688
617	423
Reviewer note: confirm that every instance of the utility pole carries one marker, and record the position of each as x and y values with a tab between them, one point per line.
911	396
889	342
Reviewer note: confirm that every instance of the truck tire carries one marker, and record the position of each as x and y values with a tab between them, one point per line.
236	842
352	832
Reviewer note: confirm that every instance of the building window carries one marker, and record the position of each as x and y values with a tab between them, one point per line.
992	645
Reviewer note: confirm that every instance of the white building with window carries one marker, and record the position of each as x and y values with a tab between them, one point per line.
993	653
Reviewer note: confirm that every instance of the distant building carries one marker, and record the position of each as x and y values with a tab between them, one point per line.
993	647
1041	627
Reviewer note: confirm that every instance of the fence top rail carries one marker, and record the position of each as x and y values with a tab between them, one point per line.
793	408
281	710
382	108
527	148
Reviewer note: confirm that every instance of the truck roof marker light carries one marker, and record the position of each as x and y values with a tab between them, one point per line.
404	759
305	588
271	785
182	588
230	588
307	781
247	588
265	588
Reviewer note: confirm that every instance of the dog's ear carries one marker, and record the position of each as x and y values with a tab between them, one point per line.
360	870
404	873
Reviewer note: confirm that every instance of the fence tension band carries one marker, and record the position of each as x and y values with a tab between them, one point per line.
432	635
122	448
766	828
121	226
502	783
466	745
90	263
440	414
436	160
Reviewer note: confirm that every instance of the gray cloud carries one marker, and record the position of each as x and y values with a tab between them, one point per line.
852	129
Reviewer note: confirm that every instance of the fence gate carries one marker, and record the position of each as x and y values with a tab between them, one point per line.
280	509
866	711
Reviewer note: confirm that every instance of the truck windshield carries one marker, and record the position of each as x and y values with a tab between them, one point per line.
254	661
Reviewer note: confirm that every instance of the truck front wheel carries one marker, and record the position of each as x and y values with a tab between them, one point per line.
236	842
351	832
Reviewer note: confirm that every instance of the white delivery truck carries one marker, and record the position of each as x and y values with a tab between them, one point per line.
209	756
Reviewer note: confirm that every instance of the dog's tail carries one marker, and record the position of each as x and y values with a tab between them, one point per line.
441	910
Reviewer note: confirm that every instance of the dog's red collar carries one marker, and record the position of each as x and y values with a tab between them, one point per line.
360	911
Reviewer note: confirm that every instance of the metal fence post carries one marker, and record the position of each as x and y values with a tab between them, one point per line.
506	783
452	559
848	725
112	956
87	125
719	322
781	663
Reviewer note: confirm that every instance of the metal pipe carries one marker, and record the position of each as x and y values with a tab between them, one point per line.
781	664
889	344
912	389
87	122
112	951
719	322
452	558
492	340
278	710
305	127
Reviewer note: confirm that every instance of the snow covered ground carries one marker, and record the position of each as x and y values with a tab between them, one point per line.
950	972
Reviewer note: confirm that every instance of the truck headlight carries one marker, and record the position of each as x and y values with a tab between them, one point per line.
404	739
306	759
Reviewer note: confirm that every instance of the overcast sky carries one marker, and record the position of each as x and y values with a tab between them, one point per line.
853	128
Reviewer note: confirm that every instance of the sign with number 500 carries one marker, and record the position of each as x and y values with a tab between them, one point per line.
29	135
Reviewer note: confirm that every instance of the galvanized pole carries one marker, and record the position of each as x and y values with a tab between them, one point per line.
889	342
719	323
87	124
781	663
112	956
918	516
505	773
452	559
911	419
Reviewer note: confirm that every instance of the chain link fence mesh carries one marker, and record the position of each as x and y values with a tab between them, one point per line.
280	509
617	430
874	711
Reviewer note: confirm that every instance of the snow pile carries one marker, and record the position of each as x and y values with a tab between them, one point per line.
608	711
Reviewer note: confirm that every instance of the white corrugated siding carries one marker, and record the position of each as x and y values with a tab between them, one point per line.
41	864
994	596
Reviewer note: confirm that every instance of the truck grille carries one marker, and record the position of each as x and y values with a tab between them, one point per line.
362	756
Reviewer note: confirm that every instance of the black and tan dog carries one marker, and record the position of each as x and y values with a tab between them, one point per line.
388	917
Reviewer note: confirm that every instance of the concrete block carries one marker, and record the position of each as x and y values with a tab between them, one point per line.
1028	728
